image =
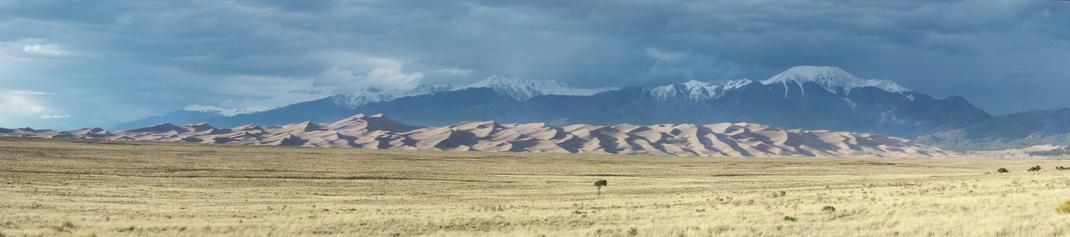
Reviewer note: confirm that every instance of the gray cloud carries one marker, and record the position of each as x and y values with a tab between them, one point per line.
108	61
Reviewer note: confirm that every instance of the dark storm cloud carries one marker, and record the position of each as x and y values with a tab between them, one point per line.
151	57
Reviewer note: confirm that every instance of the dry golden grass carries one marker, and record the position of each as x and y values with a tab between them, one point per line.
104	188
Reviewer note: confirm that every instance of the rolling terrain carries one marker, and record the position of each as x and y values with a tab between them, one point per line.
380	132
84	187
1013	131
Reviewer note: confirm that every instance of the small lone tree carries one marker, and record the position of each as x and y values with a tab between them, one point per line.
600	183
1034	168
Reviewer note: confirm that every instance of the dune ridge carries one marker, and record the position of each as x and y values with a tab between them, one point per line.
380	132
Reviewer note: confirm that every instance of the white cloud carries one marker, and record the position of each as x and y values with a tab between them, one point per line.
351	72
344	80
577	42
25	92
357	61
261	86
257	92
24	108
54	116
15	104
337	77
663	56
43	49
31	48
392	78
453	71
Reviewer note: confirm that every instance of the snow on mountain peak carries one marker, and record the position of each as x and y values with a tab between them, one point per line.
375	94
887	85
832	79
698	90
496	81
526	89
224	112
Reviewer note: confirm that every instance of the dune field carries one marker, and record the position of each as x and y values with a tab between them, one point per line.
380	132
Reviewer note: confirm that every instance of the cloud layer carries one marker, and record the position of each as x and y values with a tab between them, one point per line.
108	61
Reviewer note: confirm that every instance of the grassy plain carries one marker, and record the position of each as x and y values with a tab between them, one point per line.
61	187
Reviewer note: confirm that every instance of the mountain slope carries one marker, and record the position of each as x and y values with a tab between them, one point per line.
342	105
832	79
1013	131
380	132
522	90
376	94
807	106
805	97
177	117
697	90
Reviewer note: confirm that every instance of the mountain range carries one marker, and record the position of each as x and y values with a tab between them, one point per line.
380	132
804	97
1013	131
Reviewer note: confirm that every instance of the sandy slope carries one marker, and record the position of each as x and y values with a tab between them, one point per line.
379	132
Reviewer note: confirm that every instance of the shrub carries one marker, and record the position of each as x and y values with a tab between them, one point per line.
1061	168
1064	207
788	218
828	209
1034	168
600	183
68	225
1002	170
633	232
777	194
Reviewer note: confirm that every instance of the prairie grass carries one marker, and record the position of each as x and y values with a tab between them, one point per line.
59	187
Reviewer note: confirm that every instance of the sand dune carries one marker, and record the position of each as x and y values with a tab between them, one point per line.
379	132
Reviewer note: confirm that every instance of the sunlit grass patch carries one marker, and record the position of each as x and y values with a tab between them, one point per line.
57	187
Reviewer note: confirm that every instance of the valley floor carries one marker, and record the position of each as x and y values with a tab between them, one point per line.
105	188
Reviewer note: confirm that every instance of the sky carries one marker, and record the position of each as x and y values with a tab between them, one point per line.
85	63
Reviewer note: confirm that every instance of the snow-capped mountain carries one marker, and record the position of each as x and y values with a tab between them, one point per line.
376	94
208	109
516	89
697	90
522	90
833	79
805	97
